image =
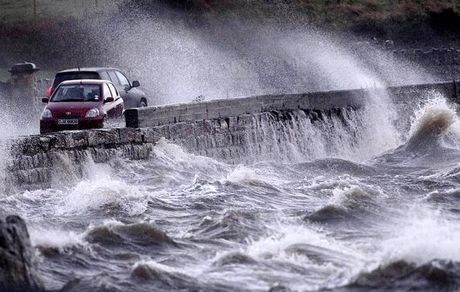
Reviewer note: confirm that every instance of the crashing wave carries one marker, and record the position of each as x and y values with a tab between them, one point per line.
429	129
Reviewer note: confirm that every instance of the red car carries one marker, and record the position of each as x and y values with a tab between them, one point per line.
81	104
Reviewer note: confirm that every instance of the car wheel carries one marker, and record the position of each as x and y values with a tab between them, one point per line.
102	124
44	130
143	103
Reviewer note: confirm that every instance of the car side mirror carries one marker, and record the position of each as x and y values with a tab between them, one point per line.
45	99
136	83
108	99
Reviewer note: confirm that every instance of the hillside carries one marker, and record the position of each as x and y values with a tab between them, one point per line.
407	21
59	25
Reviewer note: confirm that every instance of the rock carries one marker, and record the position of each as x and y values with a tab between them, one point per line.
18	270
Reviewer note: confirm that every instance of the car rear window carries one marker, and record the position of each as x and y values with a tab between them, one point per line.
77	92
60	77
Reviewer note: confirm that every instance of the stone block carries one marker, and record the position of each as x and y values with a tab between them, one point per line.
208	127
148	135
232	122
37	160
46	142
247	121
100	155
59	140
161	132
183	130
76	139
223	124
136	152
219	140
130	135
185	118
27	146
106	137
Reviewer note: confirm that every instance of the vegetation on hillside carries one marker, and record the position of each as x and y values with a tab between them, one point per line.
386	19
330	13
408	22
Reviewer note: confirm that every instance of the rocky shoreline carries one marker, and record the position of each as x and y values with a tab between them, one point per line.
18	267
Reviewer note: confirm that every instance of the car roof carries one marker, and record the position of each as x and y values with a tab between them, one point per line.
88	69
84	81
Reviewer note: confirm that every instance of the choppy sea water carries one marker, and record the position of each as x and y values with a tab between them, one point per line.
179	221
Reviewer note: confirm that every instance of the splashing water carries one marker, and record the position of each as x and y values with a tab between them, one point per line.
423	236
311	210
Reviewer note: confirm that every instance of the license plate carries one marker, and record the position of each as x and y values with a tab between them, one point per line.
68	121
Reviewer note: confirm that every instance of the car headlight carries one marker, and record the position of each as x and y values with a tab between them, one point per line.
47	114
92	113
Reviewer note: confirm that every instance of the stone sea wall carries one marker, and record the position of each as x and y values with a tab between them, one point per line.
314	101
267	134
35	159
225	108
32	160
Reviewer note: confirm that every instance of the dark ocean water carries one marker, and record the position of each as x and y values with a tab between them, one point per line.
382	214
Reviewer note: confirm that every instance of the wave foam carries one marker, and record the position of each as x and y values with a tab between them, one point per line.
424	236
56	239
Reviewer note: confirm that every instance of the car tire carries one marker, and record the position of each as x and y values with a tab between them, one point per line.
44	130
143	103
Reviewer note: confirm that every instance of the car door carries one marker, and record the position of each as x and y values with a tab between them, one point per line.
127	99
118	102
109	107
116	82
133	94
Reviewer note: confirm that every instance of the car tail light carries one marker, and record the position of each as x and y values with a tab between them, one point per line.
49	91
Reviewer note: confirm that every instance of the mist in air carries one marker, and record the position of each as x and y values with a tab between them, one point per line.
178	57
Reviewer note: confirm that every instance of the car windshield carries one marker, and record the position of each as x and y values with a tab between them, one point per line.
77	92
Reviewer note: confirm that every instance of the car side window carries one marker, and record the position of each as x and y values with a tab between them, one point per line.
113	77
104	75
107	92
113	90
123	80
